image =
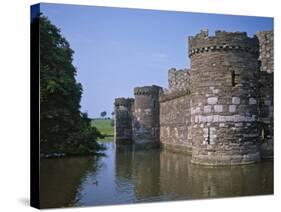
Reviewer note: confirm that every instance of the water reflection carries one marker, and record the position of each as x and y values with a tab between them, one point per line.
128	176
163	175
142	168
187	181
60	179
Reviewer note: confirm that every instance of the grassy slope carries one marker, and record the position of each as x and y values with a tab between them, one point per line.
104	126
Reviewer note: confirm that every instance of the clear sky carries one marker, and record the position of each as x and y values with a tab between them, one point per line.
118	49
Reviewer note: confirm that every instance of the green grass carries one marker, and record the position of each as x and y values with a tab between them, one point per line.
105	127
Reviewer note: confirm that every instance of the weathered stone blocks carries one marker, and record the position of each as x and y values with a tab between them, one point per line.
252	101
212	100
146	115
207	108
123	120
175	116
178	80
233	75
236	100
220	110
232	108
266	50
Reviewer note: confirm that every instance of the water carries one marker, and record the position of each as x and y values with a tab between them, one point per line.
126	176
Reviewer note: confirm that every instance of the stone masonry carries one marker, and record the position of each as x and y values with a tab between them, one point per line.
123	120
266	91
178	79
220	110
145	124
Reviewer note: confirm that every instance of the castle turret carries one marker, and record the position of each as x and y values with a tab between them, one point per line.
123	120
224	101
146	115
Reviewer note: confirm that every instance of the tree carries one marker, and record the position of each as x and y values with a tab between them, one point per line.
103	114
63	128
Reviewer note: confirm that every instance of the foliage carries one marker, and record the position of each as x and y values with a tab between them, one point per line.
63	128
103	114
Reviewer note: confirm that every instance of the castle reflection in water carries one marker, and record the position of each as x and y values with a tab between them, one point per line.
163	175
126	175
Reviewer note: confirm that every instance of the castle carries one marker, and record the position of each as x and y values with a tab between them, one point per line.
220	110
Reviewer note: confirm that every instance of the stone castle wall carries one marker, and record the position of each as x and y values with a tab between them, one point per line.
266	50
266	57
175	112
178	80
174	122
220	110
266	114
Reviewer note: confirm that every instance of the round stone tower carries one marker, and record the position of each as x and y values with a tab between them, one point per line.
146	115
224	107
123	120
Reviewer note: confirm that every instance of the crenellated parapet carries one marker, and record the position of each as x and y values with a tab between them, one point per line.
147	90
174	95
123	101
266	48
222	41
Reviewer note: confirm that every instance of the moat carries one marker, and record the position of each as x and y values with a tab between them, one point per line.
125	176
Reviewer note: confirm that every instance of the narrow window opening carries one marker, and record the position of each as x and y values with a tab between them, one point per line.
234	78
208	138
154	104
262	133
259	65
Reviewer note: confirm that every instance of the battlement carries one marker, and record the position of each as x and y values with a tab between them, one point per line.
174	95
123	101
147	90
222	41
267	34
266	50
178	80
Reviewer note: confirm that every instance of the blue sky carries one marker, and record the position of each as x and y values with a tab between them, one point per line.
118	49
